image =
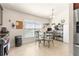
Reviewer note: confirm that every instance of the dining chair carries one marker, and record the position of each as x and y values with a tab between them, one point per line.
39	37
49	37
59	36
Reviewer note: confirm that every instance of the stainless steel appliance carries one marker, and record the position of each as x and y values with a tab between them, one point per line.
76	33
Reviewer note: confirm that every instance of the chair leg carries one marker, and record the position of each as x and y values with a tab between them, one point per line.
39	43
48	44
62	40
53	42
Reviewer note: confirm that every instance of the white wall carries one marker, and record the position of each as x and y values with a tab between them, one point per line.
67	14
63	14
13	16
71	28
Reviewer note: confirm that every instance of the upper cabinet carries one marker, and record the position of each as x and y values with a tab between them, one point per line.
76	6
1	14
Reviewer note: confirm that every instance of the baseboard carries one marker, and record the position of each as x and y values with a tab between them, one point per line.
62	41
24	41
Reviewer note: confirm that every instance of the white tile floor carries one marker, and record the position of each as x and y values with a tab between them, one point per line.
32	49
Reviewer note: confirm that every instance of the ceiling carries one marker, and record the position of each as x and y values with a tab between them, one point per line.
43	10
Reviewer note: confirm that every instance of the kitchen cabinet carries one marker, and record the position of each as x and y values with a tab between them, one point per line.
1	14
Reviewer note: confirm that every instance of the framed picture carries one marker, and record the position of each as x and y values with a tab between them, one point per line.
19	24
1	13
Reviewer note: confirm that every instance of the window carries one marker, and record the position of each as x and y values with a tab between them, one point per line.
30	27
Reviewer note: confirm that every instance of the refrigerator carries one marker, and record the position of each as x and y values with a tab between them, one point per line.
76	33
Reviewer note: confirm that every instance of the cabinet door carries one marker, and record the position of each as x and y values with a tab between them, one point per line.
0	18
76	6
1	15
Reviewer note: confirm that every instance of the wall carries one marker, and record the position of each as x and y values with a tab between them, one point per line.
67	14
13	16
63	14
71	28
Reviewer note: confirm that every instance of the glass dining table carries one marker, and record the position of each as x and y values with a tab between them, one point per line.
44	37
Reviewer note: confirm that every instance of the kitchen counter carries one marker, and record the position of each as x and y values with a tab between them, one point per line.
4	40
3	34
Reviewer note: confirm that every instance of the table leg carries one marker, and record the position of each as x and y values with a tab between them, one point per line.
39	42
43	42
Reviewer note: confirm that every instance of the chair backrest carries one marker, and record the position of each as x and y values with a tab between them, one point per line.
49	35
39	35
36	35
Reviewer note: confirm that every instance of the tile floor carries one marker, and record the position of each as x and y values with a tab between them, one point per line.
32	49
